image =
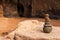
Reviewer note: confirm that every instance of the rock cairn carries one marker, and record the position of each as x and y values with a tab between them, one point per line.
47	26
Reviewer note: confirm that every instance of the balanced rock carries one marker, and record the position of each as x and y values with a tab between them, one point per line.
47	26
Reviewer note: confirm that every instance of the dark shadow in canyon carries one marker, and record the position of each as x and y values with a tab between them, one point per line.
20	9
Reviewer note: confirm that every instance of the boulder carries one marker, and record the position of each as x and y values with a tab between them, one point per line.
32	30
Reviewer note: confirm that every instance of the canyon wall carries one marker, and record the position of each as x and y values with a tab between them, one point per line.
31	8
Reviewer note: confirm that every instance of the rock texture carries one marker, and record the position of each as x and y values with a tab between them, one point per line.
47	26
32	30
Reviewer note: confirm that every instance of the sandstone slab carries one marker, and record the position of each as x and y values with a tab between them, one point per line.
32	30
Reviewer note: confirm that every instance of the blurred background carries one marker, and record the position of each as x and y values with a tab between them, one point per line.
30	8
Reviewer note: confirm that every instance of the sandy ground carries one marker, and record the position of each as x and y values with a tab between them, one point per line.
9	24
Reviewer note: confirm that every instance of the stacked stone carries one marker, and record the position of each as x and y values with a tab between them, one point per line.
47	26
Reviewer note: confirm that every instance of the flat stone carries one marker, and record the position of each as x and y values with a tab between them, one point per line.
33	30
